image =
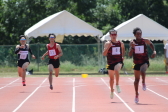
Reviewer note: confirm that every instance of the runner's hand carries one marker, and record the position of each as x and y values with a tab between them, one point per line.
56	57
109	44
154	54
33	57
132	44
22	46
42	58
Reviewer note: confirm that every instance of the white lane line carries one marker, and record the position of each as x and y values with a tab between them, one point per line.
118	96
73	96
9	83
162	80
29	96
152	91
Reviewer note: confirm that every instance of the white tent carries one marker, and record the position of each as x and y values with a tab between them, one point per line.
62	23
150	29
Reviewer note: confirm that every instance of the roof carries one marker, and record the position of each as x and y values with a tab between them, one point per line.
150	29
62	23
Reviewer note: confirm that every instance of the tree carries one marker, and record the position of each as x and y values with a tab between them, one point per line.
154	9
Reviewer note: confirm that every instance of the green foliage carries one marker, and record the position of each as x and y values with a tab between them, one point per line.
154	9
16	16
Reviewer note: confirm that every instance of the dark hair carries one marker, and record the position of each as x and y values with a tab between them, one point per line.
112	30
22	36
135	30
51	34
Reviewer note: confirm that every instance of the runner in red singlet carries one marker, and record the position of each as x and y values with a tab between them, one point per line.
114	50
54	52
138	49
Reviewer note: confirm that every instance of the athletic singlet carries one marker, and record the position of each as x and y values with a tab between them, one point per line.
140	53
114	53
23	53
52	51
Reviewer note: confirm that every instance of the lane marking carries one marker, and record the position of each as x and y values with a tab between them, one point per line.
9	83
29	96
152	91
161	80
73	96
118	96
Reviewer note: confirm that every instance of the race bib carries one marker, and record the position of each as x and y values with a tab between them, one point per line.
52	52
139	49
23	54
116	51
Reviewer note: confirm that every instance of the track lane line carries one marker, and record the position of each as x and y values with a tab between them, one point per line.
29	96
9	83
152	91
118	96
161	80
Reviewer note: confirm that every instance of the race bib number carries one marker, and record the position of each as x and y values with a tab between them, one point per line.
139	49
52	52
23	54
116	51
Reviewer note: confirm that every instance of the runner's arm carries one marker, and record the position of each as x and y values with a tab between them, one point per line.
131	49
60	51
123	49
45	54
147	41
17	49
107	45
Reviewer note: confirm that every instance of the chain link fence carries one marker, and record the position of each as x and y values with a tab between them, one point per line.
77	54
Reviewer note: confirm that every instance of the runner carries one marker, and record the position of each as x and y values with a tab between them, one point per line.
55	52
138	49
23	61
114	50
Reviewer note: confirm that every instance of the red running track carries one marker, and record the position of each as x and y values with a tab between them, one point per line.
76	94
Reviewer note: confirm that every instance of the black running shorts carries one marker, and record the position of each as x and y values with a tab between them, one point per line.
111	66
54	62
138	66
21	62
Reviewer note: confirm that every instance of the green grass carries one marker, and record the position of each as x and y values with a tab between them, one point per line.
14	74
156	66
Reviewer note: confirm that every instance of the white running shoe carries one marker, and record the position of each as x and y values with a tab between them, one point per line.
112	95
144	86
136	99
118	88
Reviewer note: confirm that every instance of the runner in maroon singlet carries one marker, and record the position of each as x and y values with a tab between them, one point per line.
114	50
138	49
54	52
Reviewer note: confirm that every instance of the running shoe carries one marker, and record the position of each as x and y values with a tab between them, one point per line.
51	87
118	88
136	99
112	95
144	86
23	82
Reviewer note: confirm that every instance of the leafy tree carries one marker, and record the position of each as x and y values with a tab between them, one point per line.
154	9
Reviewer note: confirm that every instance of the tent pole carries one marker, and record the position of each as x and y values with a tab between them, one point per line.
99	54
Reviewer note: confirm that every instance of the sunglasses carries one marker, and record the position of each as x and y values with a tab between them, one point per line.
52	37
22	39
113	34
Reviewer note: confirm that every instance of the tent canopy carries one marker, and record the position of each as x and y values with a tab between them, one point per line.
150	29
62	23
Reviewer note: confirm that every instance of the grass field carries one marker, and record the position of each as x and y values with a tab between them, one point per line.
157	66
